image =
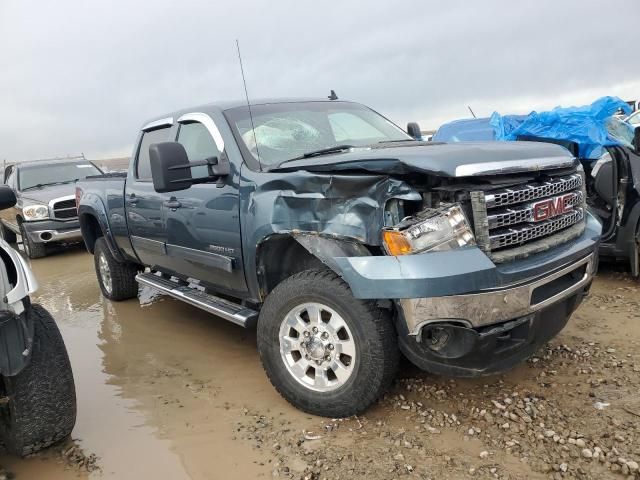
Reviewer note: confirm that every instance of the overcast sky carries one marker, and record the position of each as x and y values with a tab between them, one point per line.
82	76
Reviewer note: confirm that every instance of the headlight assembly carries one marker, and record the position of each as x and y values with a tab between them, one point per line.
430	230
35	212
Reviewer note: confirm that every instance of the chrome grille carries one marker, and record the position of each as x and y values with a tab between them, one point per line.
524	213
526	193
64	209
522	234
512	219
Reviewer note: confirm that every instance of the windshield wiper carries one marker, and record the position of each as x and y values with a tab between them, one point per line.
40	185
323	151
398	141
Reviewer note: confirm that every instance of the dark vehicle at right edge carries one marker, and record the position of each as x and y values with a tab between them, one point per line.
346	241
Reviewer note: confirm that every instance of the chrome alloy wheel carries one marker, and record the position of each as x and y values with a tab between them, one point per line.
105	273
317	347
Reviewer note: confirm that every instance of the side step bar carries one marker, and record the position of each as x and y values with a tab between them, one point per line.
233	312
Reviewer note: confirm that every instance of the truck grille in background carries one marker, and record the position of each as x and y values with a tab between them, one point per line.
65	209
512	222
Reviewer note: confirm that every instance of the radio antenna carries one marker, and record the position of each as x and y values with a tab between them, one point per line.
246	94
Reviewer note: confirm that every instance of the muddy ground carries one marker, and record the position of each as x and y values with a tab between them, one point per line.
166	391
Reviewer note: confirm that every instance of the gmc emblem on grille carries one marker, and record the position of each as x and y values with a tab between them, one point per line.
552	207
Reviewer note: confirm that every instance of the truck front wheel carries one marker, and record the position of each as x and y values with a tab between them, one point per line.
326	352
117	280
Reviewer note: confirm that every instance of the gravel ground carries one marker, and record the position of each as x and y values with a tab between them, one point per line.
573	411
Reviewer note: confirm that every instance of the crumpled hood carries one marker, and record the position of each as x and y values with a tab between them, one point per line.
443	159
45	194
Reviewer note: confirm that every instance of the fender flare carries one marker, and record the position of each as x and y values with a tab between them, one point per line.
94	208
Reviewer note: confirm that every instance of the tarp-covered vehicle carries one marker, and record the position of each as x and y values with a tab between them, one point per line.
37	392
607	148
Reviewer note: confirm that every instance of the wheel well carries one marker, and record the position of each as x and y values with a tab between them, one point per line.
91	231
278	257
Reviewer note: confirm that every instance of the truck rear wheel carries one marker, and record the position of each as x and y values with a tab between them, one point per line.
41	399
324	351
117	280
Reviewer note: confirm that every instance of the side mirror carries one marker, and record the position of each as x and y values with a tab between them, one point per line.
170	168
636	139
7	197
413	129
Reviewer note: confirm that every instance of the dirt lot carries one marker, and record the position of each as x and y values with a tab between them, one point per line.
166	391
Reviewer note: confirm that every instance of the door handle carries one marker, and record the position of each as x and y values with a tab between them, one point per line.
172	204
132	199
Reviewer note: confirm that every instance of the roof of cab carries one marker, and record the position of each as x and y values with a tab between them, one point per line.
230	104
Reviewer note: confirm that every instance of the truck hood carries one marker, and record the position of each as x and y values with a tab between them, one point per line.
45	194
443	159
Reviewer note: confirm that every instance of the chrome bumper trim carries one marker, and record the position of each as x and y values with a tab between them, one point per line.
56	236
486	308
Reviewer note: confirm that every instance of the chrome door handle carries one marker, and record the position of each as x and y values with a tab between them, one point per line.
172	204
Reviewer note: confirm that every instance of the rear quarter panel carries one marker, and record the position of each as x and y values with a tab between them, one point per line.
103	199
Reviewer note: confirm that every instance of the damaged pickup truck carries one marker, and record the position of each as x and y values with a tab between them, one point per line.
347	242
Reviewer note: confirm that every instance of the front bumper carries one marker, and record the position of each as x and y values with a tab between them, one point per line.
49	231
458	313
499	305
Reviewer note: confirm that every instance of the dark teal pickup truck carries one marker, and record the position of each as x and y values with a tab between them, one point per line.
347	241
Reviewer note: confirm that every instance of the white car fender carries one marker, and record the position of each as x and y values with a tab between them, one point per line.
26	282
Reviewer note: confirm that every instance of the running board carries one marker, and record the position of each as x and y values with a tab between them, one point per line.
233	312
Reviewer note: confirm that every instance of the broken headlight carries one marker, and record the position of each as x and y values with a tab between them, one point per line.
430	230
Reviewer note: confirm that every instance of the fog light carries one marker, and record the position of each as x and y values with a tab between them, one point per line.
448	340
436	338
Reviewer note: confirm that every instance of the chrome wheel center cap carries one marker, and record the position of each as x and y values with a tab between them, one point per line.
315	349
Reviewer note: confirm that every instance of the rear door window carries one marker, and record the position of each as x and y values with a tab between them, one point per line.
143	165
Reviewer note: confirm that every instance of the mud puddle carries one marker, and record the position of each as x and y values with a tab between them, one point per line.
158	386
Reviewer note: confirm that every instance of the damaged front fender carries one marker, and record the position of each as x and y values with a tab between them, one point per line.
327	249
331	216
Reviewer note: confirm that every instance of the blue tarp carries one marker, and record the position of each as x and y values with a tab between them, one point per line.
587	126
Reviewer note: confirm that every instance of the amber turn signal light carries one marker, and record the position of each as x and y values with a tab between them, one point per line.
396	243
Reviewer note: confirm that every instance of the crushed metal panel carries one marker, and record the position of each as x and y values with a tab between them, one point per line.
350	206
327	249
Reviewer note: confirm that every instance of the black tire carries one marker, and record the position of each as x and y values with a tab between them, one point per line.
121	284
374	336
7	235
42	400
32	249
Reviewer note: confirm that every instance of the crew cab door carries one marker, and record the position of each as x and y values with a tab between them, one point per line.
203	222
143	205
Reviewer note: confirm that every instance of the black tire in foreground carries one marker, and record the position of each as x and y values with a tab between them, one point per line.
7	235
31	248
325	351
117	280
41	407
